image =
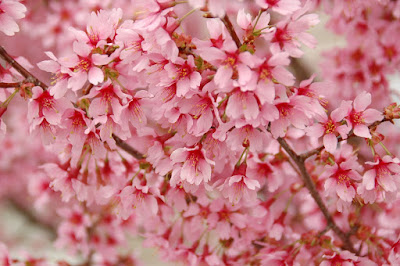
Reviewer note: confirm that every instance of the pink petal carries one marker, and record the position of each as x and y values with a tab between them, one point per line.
179	155
330	142
251	183
81	49
235	179
362	131
195	80
223	75
372	115
282	75
387	183
369	179
95	75
362	101
316	130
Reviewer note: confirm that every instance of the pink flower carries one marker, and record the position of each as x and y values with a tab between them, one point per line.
101	26
133	110
86	67
108	99
202	114
343	175
44	105
269	71
295	111
196	166
239	186
342	258
291	32
74	123
63	179
330	128
358	117
10	10
242	105
381	179
247	136
60	81
132	197
184	74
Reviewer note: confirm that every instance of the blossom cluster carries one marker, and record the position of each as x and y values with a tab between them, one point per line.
185	123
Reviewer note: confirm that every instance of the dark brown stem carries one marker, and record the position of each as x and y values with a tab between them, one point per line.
324	231
9	85
231	30
25	73
128	148
299	161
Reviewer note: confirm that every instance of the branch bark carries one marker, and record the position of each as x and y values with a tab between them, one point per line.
25	73
299	161
228	24
305	176
9	85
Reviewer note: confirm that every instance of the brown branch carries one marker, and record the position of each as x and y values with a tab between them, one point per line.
9	85
25	73
299	161
128	148
231	30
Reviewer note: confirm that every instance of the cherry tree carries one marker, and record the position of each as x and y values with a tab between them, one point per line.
197	126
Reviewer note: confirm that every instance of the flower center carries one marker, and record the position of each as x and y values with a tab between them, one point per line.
330	127
356	118
83	65
284	109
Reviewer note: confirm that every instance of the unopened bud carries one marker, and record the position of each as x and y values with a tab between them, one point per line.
392	111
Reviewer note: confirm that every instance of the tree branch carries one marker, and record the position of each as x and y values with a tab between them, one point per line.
299	161
25	73
128	148
9	85
231	30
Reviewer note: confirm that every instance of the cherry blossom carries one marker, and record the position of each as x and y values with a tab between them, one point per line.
196	167
381	178
202	128
358	116
10	11
239	186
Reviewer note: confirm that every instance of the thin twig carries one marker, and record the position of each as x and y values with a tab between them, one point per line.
25	73
9	85
299	161
231	30
128	148
324	231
